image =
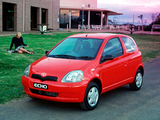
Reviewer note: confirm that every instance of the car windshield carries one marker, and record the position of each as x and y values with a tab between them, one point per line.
77	48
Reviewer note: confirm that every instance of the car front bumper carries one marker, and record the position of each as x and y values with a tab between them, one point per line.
57	91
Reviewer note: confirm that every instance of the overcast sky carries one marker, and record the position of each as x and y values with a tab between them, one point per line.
130	8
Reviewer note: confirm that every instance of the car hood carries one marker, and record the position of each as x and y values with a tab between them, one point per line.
57	67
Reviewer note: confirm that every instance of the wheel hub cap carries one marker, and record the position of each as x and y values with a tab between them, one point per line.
139	80
93	96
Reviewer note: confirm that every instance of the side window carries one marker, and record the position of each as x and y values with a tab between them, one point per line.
130	46
113	47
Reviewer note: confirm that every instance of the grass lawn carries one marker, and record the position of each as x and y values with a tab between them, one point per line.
12	65
149	45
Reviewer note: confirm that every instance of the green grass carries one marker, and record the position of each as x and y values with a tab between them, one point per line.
12	65
149	45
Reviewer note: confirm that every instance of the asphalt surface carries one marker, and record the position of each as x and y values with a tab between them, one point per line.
119	104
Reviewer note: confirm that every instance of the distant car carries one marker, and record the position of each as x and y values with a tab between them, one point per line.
83	66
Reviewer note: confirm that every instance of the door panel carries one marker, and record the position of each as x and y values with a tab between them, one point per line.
114	71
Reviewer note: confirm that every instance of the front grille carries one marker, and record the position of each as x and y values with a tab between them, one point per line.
39	92
49	78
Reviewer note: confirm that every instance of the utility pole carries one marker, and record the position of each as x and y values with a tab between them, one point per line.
133	19
82	15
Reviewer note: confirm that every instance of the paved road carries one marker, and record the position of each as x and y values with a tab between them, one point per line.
119	104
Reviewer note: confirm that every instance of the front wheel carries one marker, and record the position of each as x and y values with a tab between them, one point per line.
138	80
91	96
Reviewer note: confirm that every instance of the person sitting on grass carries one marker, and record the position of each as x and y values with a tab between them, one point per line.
19	44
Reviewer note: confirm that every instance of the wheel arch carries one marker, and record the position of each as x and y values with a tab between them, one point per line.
98	82
142	69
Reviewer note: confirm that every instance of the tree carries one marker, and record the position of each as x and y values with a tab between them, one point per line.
155	20
141	17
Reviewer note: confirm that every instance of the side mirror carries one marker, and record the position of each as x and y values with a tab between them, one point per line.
47	51
107	57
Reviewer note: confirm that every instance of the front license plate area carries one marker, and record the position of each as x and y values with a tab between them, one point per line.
41	86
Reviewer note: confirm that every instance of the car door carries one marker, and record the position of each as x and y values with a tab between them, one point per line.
114	71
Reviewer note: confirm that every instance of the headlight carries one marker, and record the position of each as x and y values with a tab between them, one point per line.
73	76
26	72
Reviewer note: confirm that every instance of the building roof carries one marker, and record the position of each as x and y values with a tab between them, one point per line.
92	9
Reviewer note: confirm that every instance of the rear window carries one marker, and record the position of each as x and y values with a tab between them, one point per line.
129	44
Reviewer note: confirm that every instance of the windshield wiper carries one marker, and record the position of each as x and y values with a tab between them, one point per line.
71	57
86	57
63	56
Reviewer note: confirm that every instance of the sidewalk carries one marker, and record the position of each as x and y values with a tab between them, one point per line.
7	33
115	31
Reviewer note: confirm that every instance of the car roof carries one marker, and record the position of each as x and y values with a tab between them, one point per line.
96	35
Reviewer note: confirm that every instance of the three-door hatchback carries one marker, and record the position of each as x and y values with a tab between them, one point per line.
83	66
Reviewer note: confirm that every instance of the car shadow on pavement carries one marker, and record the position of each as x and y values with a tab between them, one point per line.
52	104
58	106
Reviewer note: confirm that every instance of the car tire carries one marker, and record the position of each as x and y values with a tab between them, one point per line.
138	80
91	98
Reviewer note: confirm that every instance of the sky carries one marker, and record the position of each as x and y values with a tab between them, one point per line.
131	8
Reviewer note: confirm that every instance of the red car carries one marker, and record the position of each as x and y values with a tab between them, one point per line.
83	66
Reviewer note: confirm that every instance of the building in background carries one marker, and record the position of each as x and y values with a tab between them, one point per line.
75	13
78	3
27	15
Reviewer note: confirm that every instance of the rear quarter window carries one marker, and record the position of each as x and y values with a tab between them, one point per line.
129	44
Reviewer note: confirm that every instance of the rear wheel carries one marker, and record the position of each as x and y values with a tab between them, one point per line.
138	80
91	96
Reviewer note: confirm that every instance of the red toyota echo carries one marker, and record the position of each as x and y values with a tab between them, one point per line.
83	66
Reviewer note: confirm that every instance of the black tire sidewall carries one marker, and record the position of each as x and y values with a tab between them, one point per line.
90	85
133	85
